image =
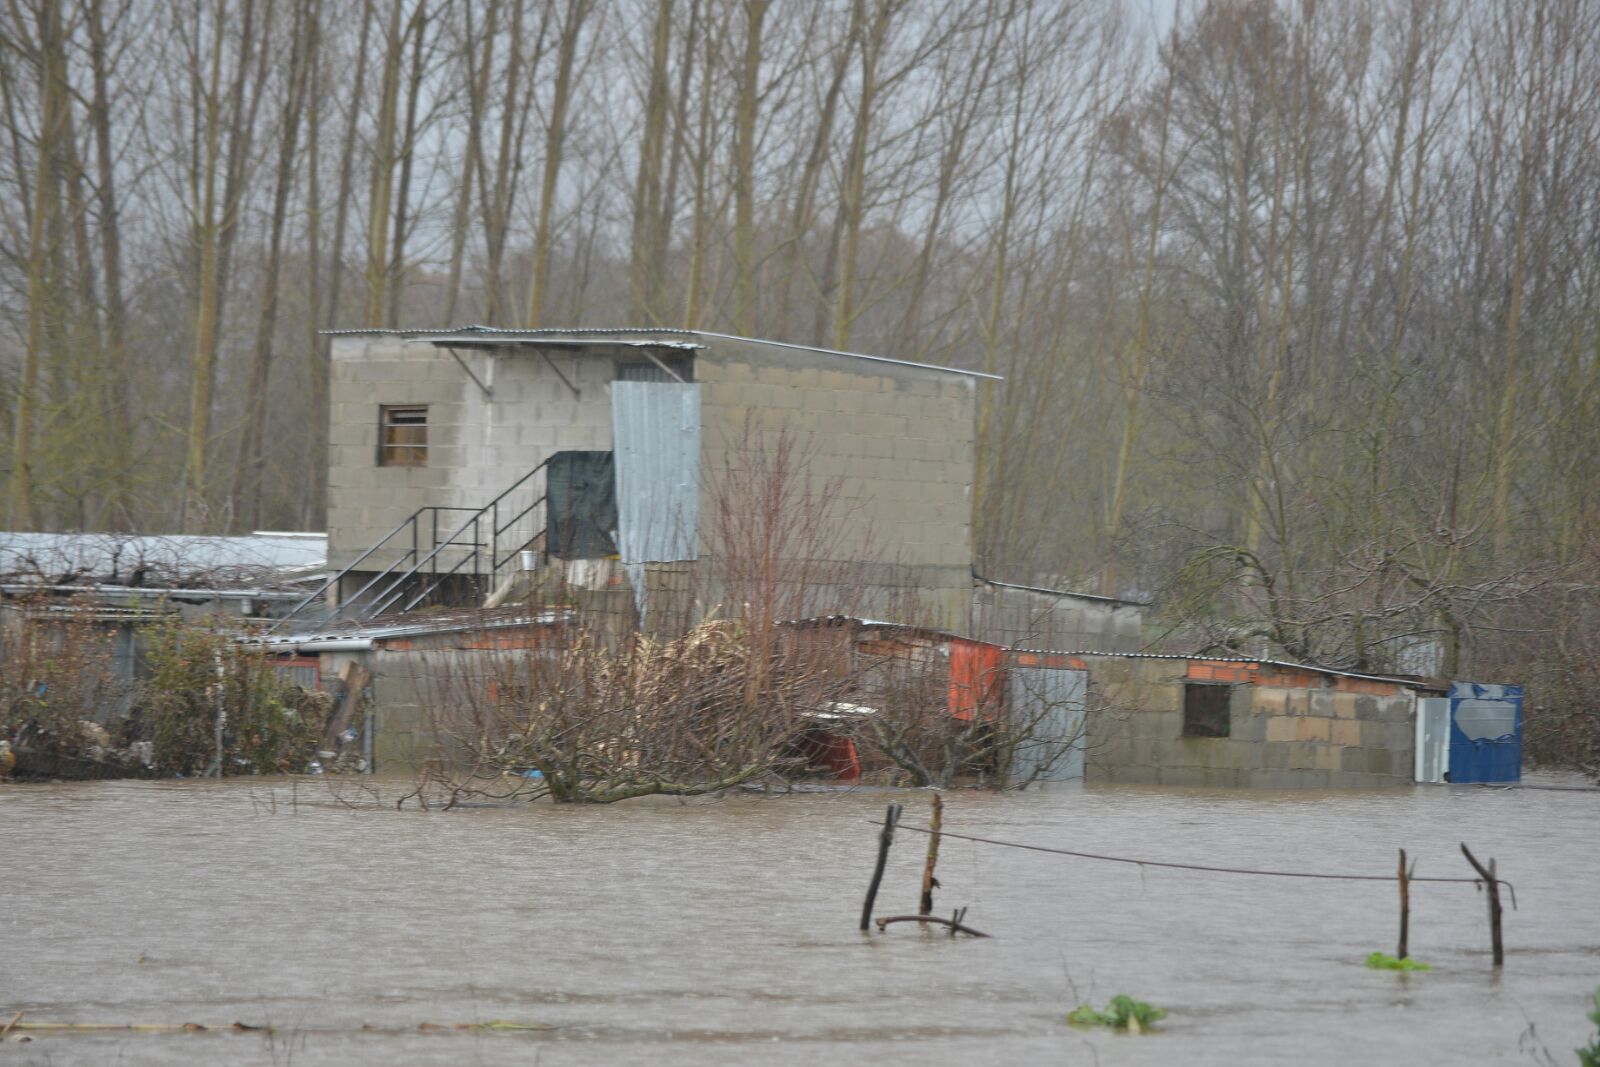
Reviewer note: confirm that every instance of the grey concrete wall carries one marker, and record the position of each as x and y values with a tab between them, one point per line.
1025	618
1280	737
477	445
890	447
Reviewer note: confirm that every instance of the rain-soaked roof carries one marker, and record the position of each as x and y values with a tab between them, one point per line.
633	336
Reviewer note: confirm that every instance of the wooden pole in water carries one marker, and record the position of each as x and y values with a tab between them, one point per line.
885	839
1405	907
1492	884
929	882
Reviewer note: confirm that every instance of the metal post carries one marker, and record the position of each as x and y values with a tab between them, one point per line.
222	710
1492	884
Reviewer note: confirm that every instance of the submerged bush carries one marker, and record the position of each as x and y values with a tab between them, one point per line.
269	727
1123	1013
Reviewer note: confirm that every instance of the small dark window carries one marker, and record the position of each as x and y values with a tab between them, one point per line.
1205	709
402	436
647	370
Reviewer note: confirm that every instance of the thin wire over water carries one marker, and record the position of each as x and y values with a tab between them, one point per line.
1200	866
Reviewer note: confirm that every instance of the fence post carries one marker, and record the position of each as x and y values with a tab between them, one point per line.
885	839
929	882
1492	884
1405	906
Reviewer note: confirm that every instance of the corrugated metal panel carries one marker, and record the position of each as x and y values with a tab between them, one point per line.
1049	704
656	433
1433	739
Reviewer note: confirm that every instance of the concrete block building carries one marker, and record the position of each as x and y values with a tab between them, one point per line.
461	458
1175	720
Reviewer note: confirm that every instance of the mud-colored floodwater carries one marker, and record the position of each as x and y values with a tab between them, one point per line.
724	930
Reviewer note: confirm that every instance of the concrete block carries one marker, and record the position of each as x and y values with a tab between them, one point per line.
1367	708
1249	727
1328	758
1183	777
1160	725
1379	761
1268	701
1345	731
1302	756
1236	755
1320	702
1344	705
1281	728
1312	729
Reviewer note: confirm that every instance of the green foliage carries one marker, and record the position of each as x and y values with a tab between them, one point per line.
1382	961
1589	1055
1123	1013
269	727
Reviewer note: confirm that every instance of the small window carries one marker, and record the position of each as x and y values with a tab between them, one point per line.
402	436
1205	709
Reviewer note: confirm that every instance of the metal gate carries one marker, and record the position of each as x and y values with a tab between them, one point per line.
1048	706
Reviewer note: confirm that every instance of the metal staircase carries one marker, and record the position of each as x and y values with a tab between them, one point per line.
482	544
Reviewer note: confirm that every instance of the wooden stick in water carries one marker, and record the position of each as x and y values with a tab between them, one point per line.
929	882
1492	884
885	839
1405	907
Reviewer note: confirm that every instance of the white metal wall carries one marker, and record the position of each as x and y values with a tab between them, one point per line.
1049	703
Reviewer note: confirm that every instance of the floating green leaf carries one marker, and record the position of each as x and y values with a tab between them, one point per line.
1382	961
1123	1013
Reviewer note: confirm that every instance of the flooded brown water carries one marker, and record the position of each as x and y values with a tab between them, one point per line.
724	930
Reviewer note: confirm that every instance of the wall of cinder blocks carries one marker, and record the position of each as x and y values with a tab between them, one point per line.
889	450
478	444
1280	737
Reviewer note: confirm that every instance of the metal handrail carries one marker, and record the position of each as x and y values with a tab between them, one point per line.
417	561
409	522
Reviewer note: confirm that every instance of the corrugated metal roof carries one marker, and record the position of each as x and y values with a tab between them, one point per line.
70	558
452	622
1062	592
854	355
507	331
1411	683
453	341
600	334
